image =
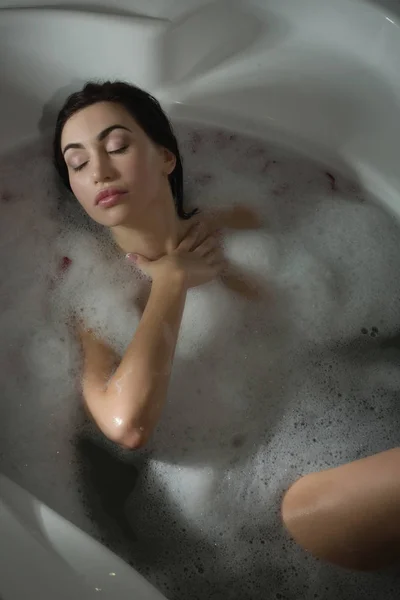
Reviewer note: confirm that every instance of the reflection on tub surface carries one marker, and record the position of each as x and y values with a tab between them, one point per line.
261	391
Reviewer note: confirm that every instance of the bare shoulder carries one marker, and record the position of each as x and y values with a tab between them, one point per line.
231	217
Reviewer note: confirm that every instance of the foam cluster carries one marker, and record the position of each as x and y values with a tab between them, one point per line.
261	392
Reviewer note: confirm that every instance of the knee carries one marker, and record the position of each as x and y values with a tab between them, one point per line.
300	512
328	515
309	514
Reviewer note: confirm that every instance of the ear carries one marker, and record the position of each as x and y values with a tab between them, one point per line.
169	161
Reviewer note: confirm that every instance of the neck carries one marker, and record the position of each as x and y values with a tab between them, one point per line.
156	233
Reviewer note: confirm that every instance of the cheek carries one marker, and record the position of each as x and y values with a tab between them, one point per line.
143	169
81	193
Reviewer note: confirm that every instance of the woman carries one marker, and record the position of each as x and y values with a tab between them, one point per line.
115	149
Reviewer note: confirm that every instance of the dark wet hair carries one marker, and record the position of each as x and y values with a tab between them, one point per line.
146	111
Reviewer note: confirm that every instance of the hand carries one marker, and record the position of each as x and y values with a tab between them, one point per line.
197	260
237	217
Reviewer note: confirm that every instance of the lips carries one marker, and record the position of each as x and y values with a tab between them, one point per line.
109	197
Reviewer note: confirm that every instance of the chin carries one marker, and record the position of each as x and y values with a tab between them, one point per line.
113	217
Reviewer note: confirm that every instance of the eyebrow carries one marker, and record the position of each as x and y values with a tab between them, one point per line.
101	136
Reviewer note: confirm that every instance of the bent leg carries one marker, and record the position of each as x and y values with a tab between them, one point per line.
349	515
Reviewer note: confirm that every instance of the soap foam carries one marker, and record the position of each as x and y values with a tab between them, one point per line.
261	392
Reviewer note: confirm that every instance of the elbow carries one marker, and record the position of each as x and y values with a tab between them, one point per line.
129	438
121	432
134	439
120	424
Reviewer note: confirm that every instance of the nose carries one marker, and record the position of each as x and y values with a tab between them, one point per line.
103	169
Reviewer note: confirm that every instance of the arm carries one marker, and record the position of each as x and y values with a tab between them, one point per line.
127	404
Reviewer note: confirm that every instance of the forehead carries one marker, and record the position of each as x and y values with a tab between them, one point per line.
87	123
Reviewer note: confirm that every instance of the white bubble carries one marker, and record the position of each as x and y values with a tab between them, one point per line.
260	392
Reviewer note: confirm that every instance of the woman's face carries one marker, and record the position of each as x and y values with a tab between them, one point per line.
116	172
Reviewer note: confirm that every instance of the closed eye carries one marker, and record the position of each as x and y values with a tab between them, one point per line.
79	167
119	150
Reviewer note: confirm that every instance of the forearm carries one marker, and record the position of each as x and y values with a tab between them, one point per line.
135	393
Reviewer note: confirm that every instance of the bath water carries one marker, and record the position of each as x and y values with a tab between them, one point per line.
302	378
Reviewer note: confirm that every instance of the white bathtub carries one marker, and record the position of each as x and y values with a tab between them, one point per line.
44	556
319	76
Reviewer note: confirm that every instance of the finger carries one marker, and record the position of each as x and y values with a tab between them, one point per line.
190	241
214	256
243	283
210	243
137	259
217	267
